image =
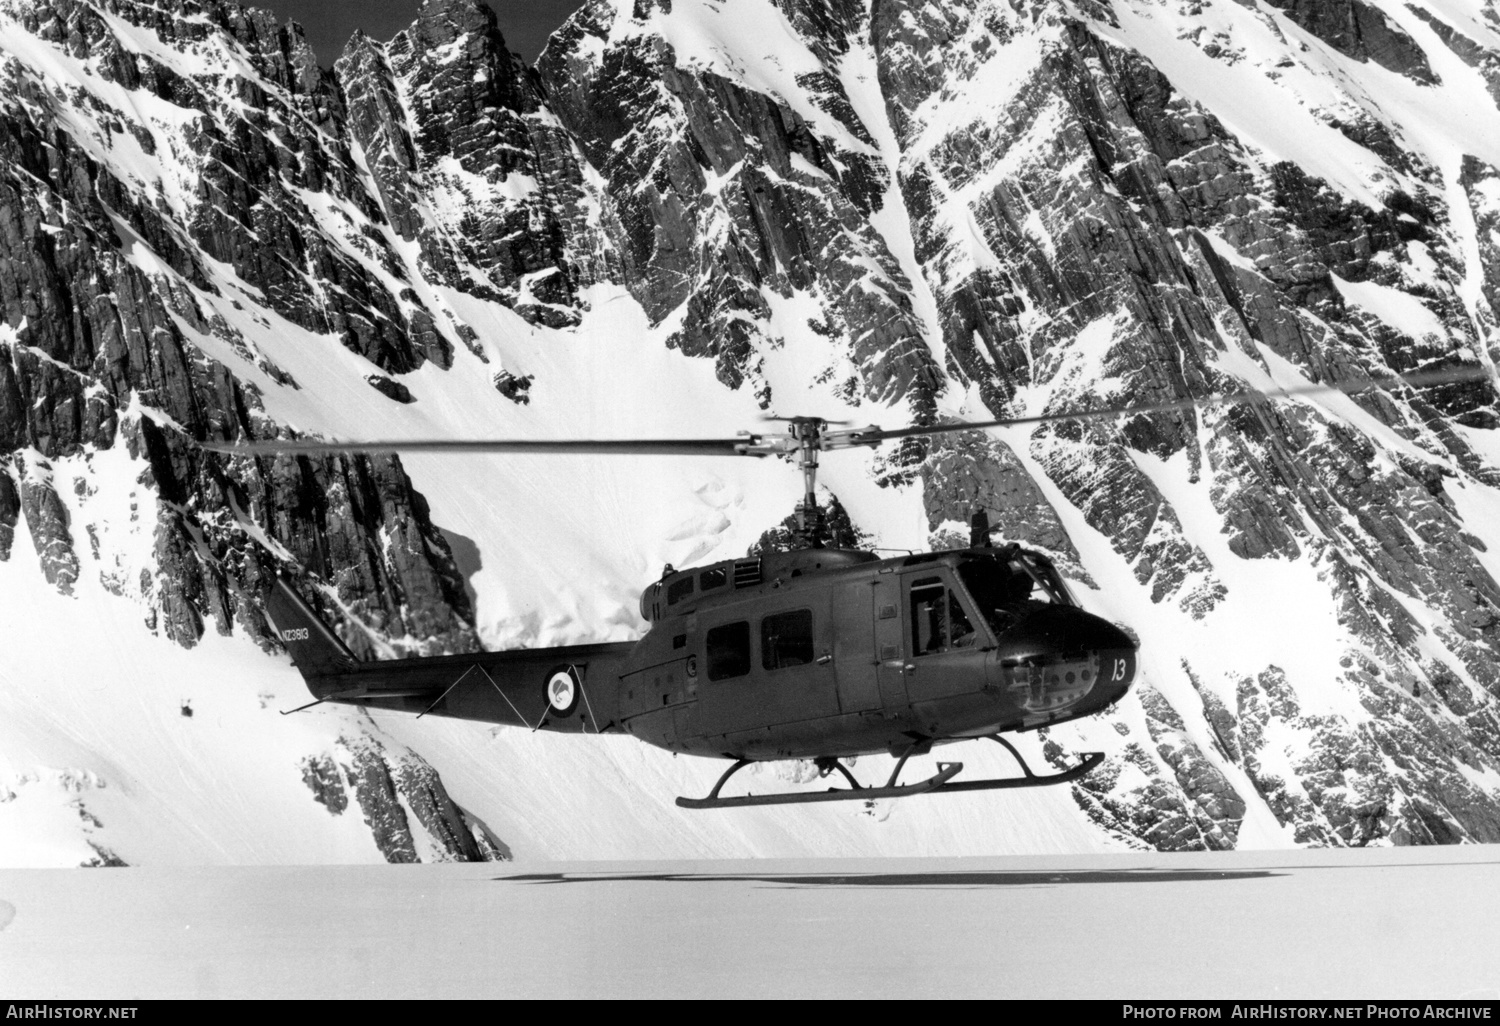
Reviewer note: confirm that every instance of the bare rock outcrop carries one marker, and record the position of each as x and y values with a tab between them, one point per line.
403	803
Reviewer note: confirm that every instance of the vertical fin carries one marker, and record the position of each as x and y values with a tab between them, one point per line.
313	645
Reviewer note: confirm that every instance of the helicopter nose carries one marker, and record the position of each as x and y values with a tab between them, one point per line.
1061	663
1115	653
1103	635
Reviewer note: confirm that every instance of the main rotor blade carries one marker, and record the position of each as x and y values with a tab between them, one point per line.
758	445
641	447
1419	379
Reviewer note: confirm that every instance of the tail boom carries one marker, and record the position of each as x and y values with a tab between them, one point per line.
510	688
572	688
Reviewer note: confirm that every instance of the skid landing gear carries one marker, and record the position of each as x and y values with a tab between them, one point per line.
939	783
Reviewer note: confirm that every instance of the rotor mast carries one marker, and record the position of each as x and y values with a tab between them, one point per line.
804	439
808	434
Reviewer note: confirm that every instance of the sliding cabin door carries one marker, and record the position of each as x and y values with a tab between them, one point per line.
770	667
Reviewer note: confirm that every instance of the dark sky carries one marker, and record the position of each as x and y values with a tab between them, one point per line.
329	23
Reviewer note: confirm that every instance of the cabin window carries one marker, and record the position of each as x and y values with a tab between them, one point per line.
710	579
786	639
728	650
938	622
679	590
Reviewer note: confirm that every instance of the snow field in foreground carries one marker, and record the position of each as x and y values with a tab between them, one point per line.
1370	924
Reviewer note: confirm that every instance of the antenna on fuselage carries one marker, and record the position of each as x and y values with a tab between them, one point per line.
979	530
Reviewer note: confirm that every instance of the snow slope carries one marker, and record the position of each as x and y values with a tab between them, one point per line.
1373	925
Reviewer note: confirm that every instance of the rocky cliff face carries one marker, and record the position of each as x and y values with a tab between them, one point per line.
1139	249
945	208
389	792
135	205
733	202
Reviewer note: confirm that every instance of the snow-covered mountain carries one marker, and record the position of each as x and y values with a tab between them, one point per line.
688	215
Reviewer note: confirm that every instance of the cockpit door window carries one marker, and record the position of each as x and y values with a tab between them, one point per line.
938	620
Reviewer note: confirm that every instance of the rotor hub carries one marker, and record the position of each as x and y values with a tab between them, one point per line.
804	439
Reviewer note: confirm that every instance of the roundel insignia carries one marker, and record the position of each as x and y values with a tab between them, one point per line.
562	691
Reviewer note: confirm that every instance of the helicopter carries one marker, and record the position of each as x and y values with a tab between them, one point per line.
817	653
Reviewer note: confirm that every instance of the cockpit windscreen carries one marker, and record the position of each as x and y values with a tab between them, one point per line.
1003	583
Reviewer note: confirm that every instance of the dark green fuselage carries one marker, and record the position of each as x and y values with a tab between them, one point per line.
804	654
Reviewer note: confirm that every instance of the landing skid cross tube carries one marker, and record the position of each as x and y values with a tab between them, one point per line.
938	783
